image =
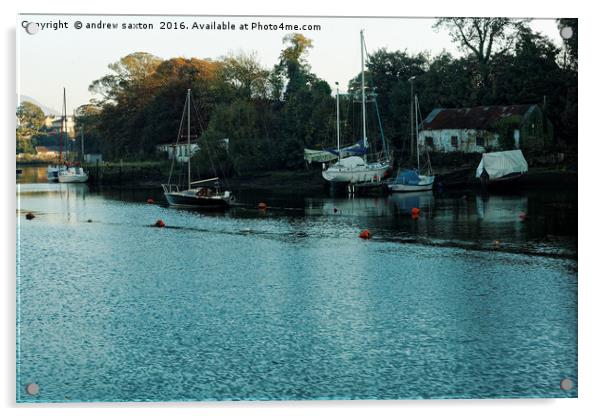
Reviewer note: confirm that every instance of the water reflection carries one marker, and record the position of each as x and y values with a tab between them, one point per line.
289	303
533	222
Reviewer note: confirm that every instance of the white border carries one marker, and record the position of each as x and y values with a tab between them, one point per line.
589	280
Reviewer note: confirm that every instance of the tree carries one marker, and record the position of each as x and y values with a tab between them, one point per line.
245	73
30	119
131	70
482	38
292	62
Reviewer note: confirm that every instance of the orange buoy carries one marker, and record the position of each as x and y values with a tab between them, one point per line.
262	205
365	235
415	216
415	211
159	224
150	201
30	216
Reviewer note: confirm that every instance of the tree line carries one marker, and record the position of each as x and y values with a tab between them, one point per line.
270	114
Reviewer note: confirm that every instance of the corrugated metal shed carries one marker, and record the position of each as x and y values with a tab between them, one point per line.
478	118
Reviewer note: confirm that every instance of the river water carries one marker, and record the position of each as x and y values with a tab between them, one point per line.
476	298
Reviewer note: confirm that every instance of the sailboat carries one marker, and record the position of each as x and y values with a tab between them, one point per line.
356	169
206	193
74	173
52	173
411	180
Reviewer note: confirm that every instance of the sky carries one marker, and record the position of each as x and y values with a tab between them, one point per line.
72	58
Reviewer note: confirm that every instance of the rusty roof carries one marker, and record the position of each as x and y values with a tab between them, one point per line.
478	118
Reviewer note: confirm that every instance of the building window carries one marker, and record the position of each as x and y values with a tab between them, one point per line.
480	141
428	140
454	141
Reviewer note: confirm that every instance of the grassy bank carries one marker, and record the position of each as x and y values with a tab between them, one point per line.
151	174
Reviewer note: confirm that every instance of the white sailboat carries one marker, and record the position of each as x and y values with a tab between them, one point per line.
412	180
208	195
52	172
356	169
73	174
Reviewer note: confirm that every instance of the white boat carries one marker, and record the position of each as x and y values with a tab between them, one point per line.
356	169
209	195
52	173
412	180
497	167
73	174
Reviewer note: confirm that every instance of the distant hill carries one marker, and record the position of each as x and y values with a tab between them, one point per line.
46	110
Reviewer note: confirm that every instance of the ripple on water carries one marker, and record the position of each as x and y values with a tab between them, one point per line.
227	307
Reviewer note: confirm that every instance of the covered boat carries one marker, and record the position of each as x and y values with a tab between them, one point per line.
501	166
411	181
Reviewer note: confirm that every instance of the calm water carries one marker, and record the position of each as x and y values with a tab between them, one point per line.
468	301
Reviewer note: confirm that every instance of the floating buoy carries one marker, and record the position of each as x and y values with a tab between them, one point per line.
415	211
160	224
366	235
29	216
335	210
522	215
90	220
415	216
150	201
496	243
262	205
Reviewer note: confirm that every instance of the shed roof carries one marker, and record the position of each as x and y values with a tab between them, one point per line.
479	118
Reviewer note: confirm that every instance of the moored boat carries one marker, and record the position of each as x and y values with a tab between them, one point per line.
52	172
413	180
73	174
355	169
501	167
206	193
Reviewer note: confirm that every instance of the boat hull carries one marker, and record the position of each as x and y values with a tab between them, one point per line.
72	178
180	199
425	184
371	173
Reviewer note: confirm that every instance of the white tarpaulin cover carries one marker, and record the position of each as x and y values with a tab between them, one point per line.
318	156
498	164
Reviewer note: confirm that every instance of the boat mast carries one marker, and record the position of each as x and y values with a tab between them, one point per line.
411	80
365	138
63	126
338	122
83	155
189	155
416	119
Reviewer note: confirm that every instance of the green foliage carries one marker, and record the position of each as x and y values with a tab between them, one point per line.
270	115
505	129
30	120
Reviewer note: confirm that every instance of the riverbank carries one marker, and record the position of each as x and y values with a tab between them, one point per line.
149	175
